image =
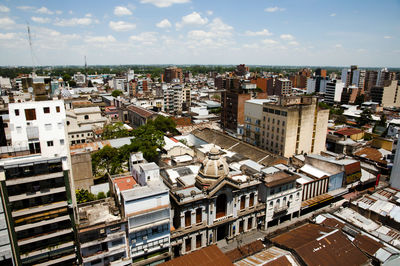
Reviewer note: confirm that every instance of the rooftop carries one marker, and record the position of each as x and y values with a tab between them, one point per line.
349	131
141	111
125	182
279	178
103	211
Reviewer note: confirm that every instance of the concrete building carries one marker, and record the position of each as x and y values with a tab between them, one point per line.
6	255
36	185
283	87
387	95
173	98
138	116
147	209
81	122
395	175
293	126
252	120
350	93
212	204
171	73
102	234
281	194
233	101
333	92
80	79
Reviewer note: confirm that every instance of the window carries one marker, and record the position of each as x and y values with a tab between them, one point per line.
249	223
46	110
283	123
68	123
188	244
198	215
251	201
57	109
273	120
62	142
271	204
198	241
242	202
278	121
30	114
272	191
16	111
50	143
241	226
188	218
154	230
86	117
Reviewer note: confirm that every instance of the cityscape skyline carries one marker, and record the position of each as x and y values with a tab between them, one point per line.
201	32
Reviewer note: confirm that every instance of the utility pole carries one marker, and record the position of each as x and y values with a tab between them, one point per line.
30	46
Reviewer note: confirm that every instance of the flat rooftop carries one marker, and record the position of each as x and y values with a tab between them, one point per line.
97	212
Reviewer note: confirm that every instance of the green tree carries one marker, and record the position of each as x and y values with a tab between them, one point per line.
106	160
82	196
164	124
66	77
148	139
72	83
116	93
382	121
340	119
101	195
364	118
115	130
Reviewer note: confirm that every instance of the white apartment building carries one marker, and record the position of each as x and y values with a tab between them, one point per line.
80	79
36	180
333	91
173	98
252	129
148	211
81	122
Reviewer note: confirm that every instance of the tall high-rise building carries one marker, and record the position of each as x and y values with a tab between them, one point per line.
232	102
36	185
387	95
173	73
353	76
333	91
293	125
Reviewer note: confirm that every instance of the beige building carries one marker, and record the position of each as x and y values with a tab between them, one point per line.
293	125
387	95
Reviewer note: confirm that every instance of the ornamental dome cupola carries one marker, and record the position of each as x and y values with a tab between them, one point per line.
213	168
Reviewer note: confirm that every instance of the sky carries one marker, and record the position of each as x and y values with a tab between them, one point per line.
253	32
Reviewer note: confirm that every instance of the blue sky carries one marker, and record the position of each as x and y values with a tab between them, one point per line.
264	32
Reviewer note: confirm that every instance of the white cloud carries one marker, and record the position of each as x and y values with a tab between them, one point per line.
274	9
70	12
121	25
7	36
192	19
122	11
25	8
40	20
209	12
44	10
6	22
287	37
263	32
269	41
4	9
387	37
73	22
164	24
147	38
59	12
101	39
333	15
338	45
294	43
164	3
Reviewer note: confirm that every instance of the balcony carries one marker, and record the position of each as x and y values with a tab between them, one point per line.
42	223
44	236
40	208
41	193
66	245
36	178
105	253
280	210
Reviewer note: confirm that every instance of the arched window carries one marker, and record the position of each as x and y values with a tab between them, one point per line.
271	204
221	206
251	201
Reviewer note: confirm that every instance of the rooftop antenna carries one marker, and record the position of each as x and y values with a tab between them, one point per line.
86	79
30	46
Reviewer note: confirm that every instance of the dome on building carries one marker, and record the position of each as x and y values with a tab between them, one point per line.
213	168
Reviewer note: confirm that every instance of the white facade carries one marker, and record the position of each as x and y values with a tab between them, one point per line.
5	83
119	84
311	85
39	122
333	92
395	175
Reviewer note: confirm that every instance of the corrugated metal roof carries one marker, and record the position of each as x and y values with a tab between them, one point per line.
210	255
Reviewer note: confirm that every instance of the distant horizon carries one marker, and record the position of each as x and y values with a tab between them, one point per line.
209	65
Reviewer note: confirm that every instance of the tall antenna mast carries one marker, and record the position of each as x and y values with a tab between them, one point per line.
86	79
30	45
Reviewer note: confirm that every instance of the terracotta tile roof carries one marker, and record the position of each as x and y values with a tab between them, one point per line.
371	154
348	131
141	111
210	255
125	183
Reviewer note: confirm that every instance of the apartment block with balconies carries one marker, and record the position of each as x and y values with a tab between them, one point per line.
36	185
